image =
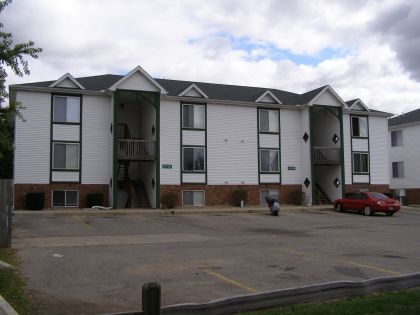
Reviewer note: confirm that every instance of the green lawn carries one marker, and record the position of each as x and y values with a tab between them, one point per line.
12	285
390	303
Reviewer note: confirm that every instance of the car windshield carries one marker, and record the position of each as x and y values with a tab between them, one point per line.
376	195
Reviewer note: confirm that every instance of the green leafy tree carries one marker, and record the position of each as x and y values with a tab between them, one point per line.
12	58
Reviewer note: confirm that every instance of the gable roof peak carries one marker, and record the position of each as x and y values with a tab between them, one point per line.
68	77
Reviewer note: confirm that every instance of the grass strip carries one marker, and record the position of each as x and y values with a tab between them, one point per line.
406	302
12	285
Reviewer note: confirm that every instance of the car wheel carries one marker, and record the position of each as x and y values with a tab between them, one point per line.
339	207
390	213
367	210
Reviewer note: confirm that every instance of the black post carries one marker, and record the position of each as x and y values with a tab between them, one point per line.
151	298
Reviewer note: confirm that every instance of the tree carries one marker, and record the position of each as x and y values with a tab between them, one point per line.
12	57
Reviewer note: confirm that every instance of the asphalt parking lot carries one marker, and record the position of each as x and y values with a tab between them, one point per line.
99	263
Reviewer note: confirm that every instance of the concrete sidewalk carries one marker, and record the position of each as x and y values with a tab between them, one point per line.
178	210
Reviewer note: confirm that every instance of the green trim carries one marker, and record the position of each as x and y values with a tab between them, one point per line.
156	100
114	180
364	152
312	153
52	140
343	174
181	168
259	148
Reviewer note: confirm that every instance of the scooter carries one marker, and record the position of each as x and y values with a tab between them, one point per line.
273	204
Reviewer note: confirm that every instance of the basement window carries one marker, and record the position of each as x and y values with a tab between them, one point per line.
65	198
193	197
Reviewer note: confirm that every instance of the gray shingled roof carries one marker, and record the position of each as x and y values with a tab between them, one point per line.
410	117
212	90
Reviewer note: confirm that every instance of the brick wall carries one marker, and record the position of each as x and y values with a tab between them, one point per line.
370	187
22	189
222	194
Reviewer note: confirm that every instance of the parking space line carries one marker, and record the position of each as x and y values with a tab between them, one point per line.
347	262
78	219
229	281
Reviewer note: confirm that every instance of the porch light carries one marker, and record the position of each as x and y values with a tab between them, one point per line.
305	137
337	182
335	138
307	182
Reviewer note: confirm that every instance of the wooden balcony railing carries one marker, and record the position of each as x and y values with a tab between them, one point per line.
326	155
136	149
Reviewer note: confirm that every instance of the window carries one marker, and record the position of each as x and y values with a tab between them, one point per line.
66	109
359	126
396	138
65	198
266	193
269	120
361	163
193	159
65	156
269	161
193	116
193	198
397	169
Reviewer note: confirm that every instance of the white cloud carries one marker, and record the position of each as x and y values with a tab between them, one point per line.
248	42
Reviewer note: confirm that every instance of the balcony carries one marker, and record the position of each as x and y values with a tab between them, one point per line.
326	155
136	150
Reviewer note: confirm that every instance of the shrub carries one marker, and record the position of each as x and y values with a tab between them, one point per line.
238	195
94	200
169	200
35	200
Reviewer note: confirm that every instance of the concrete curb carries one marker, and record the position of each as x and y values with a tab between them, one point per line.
5	308
285	297
200	210
5	266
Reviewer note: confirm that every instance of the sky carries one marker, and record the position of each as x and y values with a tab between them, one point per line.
367	49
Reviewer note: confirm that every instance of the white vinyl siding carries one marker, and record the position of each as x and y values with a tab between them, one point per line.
66	132
193	178
65	177
137	81
360	144
32	139
379	151
232	147
193	137
291	142
96	140
269	140
169	143
269	178
409	154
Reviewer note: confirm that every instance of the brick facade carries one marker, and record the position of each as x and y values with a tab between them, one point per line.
22	189
222	194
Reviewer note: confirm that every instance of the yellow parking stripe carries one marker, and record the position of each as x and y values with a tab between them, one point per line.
78	219
229	281
315	257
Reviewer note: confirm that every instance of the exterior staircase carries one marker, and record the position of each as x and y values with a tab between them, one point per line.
322	196
139	198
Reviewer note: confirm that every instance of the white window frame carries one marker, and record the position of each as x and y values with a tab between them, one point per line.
362	132
272	120
71	108
194	155
198	116
278	161
67	144
354	162
397	139
398	169
195	192
65	198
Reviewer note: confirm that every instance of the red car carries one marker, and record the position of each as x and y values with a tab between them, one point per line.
367	203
